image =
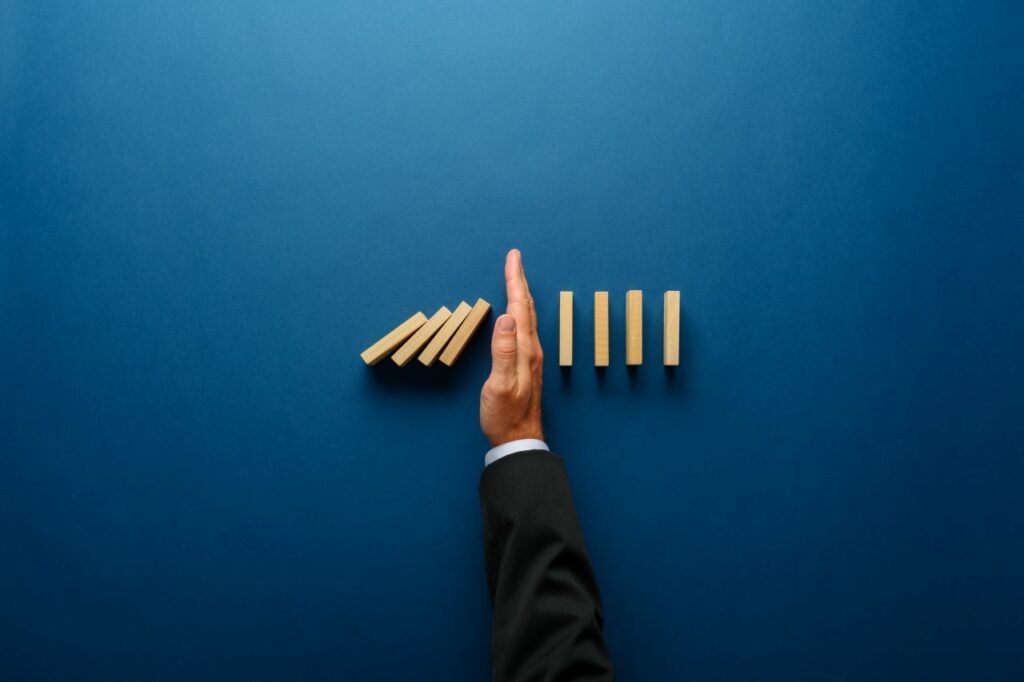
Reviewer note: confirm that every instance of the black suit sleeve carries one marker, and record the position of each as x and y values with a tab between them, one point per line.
547	611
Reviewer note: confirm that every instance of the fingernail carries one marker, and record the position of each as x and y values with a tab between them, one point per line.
506	323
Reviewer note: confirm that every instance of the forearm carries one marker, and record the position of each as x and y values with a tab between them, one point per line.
547	609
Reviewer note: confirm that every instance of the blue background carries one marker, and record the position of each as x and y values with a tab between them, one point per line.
207	209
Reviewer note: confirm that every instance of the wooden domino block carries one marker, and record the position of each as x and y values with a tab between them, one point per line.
634	327
565	329
420	338
458	343
446	332
600	329
671	328
393	339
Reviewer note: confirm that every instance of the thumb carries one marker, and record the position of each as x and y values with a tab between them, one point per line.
503	349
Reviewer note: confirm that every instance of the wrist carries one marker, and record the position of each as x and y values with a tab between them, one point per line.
526	433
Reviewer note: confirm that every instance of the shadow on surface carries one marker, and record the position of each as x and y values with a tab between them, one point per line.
415	378
566	383
469	371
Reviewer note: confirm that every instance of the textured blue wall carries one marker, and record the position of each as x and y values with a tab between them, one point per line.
207	209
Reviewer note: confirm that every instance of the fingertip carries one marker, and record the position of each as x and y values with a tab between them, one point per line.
505	324
514	260
504	345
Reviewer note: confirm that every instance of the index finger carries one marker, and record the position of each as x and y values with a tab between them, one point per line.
520	302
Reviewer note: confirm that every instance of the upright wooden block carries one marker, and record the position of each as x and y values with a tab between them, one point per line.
446	332
420	338
671	328
392	340
634	327
466	329
600	329
565	329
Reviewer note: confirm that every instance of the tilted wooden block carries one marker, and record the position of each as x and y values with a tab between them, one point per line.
565	329
634	327
393	339
466	329
446	332
600	329
420	338
671	328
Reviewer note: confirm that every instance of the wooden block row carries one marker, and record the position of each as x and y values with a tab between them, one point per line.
446	334
634	328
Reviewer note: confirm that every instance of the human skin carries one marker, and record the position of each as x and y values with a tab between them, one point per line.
510	399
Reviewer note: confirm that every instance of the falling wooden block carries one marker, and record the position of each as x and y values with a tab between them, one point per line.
600	329
671	328
446	332
458	343
634	327
420	338
392	340
565	329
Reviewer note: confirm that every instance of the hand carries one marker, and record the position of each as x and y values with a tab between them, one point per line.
510	399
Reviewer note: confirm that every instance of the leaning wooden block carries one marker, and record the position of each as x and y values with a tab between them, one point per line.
458	343
565	329
671	328
634	327
392	340
446	332
600	329
420	338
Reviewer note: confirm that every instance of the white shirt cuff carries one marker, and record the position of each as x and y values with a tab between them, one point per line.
512	447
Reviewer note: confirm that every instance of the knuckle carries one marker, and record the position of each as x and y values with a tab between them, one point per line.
505	352
496	386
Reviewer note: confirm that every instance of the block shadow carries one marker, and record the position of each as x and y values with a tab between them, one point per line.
469	371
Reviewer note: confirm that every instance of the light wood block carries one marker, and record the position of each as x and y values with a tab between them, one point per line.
458	343
600	329
634	327
565	329
446	332
393	339
671	318
420	338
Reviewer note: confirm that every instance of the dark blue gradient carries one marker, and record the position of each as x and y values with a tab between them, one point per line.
208	209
